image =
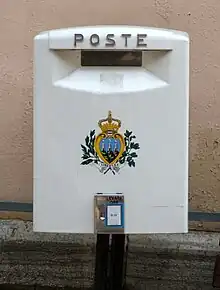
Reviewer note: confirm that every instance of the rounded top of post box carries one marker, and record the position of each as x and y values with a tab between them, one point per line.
122	37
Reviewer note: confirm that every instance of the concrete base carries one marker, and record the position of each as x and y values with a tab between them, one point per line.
154	261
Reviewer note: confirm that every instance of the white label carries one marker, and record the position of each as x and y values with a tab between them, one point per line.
112	79
114	215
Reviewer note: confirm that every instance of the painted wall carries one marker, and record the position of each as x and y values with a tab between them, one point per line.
21	20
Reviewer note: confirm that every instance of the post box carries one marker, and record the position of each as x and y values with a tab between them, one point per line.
111	130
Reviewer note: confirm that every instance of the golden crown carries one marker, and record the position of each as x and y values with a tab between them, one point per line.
109	124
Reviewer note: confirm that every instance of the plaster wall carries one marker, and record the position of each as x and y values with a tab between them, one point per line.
21	20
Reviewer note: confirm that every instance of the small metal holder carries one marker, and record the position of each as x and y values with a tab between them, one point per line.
109	213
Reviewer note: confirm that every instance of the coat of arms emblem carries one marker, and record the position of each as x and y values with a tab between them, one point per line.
109	151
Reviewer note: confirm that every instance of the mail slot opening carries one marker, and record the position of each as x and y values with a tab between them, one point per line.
111	58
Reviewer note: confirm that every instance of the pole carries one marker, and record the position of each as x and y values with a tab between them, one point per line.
110	263
117	255
101	263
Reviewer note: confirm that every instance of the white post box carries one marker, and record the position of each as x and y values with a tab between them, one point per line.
111	130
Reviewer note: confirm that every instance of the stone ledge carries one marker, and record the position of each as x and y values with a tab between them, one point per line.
163	261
